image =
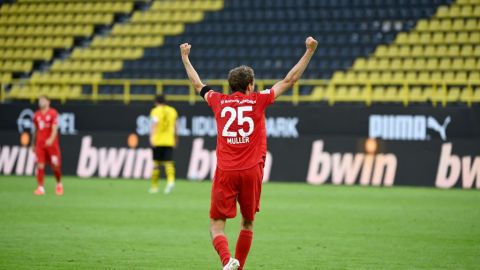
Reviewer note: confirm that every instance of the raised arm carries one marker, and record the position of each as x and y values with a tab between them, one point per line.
296	72
191	72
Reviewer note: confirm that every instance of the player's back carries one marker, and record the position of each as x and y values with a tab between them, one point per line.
165	116
44	121
241	136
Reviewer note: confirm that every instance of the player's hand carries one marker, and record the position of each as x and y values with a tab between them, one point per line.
185	49
311	44
49	142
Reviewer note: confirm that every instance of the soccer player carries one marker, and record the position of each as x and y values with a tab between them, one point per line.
163	138
241	149
45	142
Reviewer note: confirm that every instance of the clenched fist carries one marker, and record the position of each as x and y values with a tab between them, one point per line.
185	49
311	44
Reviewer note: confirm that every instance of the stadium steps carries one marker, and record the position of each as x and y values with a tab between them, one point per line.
439	60
36	34
146	27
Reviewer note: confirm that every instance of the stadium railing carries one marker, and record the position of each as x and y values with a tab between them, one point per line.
323	91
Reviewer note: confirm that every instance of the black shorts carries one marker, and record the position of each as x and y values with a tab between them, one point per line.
162	153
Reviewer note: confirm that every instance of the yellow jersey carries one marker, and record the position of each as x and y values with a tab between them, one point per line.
164	119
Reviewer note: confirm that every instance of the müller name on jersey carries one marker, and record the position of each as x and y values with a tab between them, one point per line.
238	140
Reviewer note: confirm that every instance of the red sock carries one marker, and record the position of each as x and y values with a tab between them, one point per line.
58	174
221	246
243	246
40	176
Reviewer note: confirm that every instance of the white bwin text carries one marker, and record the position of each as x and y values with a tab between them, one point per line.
203	163
345	168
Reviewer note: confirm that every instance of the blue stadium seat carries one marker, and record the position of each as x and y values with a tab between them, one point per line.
268	34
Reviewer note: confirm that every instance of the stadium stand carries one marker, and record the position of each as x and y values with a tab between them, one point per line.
370	50
439	58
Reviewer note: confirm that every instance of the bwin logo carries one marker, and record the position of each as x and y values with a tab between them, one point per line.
406	127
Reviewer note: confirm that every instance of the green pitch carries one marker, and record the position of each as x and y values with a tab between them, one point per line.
107	224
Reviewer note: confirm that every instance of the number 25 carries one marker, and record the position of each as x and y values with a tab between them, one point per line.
240	120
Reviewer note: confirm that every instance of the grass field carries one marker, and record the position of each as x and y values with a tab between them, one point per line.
115	224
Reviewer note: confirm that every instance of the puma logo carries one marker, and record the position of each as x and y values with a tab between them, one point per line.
432	123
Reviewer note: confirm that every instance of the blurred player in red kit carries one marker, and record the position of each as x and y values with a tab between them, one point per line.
45	143
241	149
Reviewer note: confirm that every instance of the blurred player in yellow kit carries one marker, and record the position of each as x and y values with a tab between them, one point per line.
163	139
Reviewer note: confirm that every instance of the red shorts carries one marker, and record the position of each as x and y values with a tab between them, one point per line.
244	186
48	155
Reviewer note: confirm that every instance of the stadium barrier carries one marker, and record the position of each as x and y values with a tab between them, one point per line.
343	145
321	90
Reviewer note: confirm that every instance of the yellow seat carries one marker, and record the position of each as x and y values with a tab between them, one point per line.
338	76
402	38
438	38
414	38
356	93
461	77
383	64
374	77
419	64
408	64
378	93
398	77
476	95
470	25
430	50
411	76
476	11
474	38
432	64
386	76
423	38
445	64
476	51
423	76
453	51
454	12
350	77
442	11
466	11
417	95
433	25
474	76
362	76
319	92
396	64
341	93
381	51
417	50
457	63
441	50
423	25
451	38
458	25
436	76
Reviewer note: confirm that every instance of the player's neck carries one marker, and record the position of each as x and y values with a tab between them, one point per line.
44	110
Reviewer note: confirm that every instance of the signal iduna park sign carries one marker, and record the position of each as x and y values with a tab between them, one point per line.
341	145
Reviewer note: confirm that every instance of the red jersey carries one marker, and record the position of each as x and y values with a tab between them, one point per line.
241	133
43	125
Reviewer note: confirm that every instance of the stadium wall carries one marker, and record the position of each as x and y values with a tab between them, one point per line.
343	145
